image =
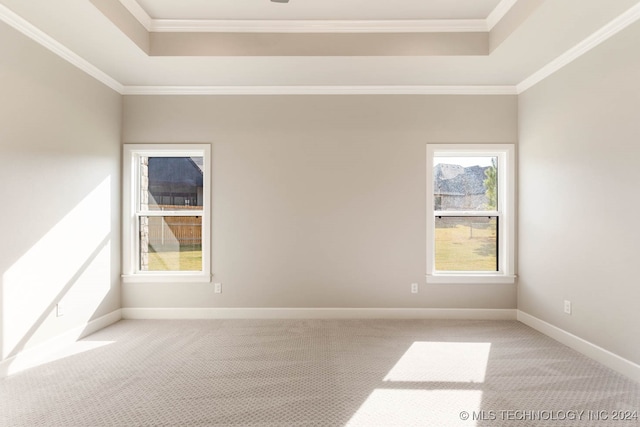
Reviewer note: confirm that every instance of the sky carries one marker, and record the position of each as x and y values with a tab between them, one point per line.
464	161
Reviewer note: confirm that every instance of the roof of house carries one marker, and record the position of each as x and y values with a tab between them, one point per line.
175	170
455	180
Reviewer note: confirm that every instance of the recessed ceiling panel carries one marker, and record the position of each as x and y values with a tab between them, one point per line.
319	9
89	39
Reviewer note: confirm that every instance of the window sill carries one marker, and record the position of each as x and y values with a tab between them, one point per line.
464	279
166	278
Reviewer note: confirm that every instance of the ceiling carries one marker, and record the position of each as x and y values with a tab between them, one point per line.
320	46
318	9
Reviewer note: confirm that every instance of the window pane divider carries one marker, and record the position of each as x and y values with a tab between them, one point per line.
171	213
467	213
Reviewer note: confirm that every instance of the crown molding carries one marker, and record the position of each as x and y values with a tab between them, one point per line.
604	33
499	12
14	20
306	26
138	12
615	26
319	26
320	90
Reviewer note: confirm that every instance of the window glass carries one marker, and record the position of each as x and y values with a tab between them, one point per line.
466	243
465	183
170	243
171	183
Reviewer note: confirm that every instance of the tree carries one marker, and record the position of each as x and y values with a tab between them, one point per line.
491	185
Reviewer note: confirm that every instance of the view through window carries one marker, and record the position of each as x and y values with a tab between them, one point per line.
470	213
172	240
166	222
465	191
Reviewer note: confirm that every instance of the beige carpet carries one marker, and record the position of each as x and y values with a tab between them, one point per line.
319	373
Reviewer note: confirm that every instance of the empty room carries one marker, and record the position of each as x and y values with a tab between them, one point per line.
319	213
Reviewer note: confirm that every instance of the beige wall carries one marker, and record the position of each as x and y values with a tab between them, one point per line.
60	193
579	175
319	201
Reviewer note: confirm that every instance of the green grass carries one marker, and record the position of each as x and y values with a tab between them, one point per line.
459	248
185	260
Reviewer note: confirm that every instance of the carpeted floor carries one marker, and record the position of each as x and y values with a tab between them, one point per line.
319	373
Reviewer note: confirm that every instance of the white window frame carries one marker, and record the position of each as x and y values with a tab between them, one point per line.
131	272
505	154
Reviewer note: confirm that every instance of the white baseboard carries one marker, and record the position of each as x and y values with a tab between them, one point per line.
40	353
318	313
607	358
35	355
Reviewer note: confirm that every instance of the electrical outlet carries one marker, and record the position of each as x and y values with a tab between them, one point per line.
567	306
217	288
59	310
414	288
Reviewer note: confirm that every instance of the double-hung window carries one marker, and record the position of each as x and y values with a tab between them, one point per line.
166	213
470	213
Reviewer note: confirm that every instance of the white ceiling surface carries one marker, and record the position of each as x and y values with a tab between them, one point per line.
554	28
319	9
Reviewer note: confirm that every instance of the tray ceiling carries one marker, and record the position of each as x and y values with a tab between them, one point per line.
318	9
320	46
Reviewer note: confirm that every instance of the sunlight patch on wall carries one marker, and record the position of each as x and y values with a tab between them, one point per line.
70	264
410	407
442	362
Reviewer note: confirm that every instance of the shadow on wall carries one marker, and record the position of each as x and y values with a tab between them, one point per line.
69	266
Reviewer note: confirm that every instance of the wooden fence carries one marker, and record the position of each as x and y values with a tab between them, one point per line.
175	231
